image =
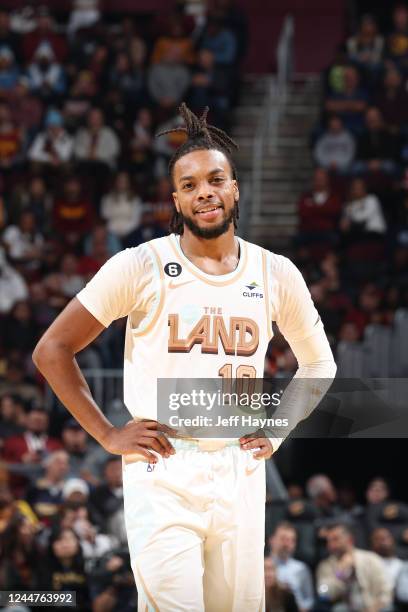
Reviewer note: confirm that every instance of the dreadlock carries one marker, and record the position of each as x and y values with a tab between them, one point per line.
200	136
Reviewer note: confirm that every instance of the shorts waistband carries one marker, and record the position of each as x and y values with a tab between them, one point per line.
206	445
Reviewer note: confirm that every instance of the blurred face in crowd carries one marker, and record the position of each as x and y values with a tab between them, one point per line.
370	298
69	264
374	119
95	119
320	180
283	542
57	466
5	115
22	311
6	497
122	182
113	473
72	190
321	490
7	408
339	541
392	79
37	421
400	18
335	125
206	59
368	27
37	188
4	22
27	222
144	117
351	78
270	573
377	491
122	63
349	332
66	546
357	189
382	542
74	439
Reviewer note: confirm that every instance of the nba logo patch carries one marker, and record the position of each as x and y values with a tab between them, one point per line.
150	467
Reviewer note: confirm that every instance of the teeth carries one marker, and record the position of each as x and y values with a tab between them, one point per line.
208	210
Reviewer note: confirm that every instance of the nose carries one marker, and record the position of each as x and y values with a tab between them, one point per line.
205	192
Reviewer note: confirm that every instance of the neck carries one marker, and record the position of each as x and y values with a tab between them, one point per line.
217	249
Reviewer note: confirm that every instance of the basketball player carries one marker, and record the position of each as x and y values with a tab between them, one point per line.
194	509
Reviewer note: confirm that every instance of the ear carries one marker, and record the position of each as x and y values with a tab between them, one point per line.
236	190
176	202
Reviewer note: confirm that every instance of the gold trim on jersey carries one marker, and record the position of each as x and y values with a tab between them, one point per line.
195	271
161	300
266	293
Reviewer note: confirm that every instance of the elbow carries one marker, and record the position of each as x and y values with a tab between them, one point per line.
38	355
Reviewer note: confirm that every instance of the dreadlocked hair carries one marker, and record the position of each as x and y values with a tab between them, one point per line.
200	136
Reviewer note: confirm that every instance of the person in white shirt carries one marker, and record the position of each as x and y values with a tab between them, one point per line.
383	543
12	285
97	142
293	573
363	211
53	146
121	208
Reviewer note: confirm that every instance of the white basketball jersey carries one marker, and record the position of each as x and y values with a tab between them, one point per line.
184	323
203	326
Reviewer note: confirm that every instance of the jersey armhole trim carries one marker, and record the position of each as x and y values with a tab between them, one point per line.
266	291
159	272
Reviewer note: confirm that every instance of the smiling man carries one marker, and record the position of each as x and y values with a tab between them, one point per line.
194	508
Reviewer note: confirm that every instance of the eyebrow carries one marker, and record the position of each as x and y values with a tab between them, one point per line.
215	171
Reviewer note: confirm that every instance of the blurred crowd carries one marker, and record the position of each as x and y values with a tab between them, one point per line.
352	240
326	551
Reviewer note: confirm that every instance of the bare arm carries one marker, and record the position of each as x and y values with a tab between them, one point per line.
73	330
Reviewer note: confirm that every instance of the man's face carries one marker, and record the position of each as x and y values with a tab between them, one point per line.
382	542
338	541
74	439
37	421
205	192
284	543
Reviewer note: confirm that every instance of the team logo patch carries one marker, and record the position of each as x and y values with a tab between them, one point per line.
173	269
253	290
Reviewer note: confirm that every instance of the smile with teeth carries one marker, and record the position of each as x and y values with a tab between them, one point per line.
207	210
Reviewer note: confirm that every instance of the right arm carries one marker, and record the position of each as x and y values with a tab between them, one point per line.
73	330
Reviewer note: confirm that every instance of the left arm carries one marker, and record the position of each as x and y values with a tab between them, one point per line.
300	323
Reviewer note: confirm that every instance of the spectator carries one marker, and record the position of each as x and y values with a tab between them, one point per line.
20	329
320	490
45	496
319	211
168	80
128	79
53	147
85	460
36	198
366	48
9	39
19	554
175	41
397	41
113	585
98	248
12	416
162	205
75	491
9	72
121	208
211	85
335	148
11	140
293	574
219	40
73	213
44	33
377	149
67	282
107	498
24	243
383	544
12	285
350	102
97	142
84	14
46	76
141	155
392	100
277	597
93	544
377	491
362	215
26	108
80	99
63	568
350	576
29	448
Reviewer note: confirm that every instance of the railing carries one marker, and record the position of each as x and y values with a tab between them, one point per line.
266	138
